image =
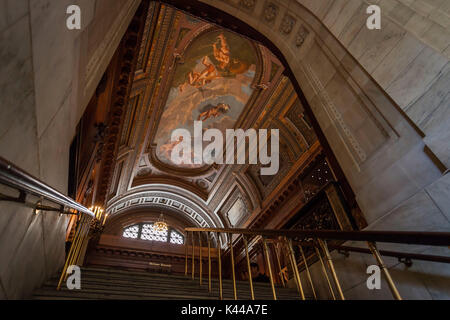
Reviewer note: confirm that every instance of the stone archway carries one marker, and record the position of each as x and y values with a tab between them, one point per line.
342	71
169	198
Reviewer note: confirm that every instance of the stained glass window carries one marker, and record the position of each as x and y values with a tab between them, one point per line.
146	231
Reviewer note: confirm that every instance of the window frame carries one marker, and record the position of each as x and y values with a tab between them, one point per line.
139	233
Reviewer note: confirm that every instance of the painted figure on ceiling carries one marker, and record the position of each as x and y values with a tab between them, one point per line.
212	85
222	54
199	79
213	111
167	148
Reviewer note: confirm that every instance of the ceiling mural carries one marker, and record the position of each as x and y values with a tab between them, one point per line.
213	85
190	70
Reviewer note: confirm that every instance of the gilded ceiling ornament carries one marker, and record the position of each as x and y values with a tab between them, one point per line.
288	24
202	184
301	36
270	12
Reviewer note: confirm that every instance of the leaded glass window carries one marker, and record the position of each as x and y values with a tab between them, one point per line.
131	232
147	232
176	237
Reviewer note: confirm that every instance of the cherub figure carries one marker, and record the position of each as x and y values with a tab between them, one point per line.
222	53
214	111
199	79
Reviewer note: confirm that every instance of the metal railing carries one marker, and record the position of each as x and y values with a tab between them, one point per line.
318	240
87	220
26	184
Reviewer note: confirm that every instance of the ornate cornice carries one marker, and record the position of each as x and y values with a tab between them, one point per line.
128	51
166	196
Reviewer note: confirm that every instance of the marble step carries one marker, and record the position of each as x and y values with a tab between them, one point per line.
109	283
179	288
160	276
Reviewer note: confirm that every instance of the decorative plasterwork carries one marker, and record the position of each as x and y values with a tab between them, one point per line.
335	115
247	4
126	67
287	25
270	12
166	196
236	208
302	34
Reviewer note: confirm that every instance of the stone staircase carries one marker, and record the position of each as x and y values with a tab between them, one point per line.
109	283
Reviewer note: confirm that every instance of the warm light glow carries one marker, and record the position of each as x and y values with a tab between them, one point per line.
161	224
104	220
99	213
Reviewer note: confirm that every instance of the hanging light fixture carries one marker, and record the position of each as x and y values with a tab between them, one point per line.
161	224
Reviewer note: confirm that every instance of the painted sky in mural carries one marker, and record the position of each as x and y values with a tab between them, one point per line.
212	85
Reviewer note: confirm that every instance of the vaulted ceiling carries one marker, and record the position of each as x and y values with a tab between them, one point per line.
185	68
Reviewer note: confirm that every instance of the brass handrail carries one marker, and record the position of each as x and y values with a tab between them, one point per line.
14	177
404	257
319	242
405	237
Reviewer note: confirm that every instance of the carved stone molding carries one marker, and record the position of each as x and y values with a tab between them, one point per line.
327	102
247	4
125	69
106	47
302	34
287	25
154	197
270	12
236	208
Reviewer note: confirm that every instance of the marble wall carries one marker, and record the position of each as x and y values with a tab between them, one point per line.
48	74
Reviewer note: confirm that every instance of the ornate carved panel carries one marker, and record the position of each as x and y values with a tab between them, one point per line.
302	34
236	208
287	24
270	12
156	199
